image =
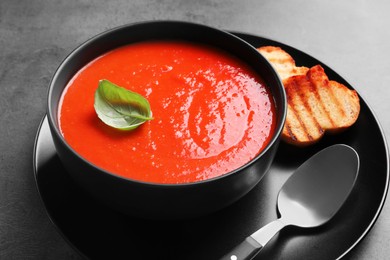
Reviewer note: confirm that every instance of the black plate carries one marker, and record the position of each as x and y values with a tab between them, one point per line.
99	232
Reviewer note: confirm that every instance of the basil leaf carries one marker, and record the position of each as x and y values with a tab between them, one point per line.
120	108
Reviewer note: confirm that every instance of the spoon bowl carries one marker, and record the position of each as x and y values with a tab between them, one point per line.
319	187
309	198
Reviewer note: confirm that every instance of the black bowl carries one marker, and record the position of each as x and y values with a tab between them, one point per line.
153	200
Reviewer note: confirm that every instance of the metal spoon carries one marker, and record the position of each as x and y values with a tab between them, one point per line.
309	198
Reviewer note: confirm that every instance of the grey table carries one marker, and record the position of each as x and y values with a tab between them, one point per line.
352	37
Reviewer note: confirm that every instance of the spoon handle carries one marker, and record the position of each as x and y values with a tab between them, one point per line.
252	245
248	249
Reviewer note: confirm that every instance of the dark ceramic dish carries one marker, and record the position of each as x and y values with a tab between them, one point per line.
153	200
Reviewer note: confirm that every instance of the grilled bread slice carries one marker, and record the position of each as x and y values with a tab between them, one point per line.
283	63
317	105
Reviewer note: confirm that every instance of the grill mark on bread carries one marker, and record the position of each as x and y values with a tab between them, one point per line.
299	108
320	113
293	125
306	98
333	108
293	108
290	134
288	128
310	122
319	90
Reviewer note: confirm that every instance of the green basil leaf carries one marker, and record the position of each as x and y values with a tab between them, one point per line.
120	108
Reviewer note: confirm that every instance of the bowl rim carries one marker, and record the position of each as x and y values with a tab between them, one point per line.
81	47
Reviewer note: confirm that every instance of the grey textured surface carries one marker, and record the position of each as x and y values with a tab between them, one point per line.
352	37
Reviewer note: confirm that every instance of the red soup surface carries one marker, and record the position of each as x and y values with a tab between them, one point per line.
212	113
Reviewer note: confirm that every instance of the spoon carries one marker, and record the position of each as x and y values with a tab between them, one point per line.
309	198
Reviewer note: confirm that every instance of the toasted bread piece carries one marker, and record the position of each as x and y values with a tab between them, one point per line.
317	105
283	63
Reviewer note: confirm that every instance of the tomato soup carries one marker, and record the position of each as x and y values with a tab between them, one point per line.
212	113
